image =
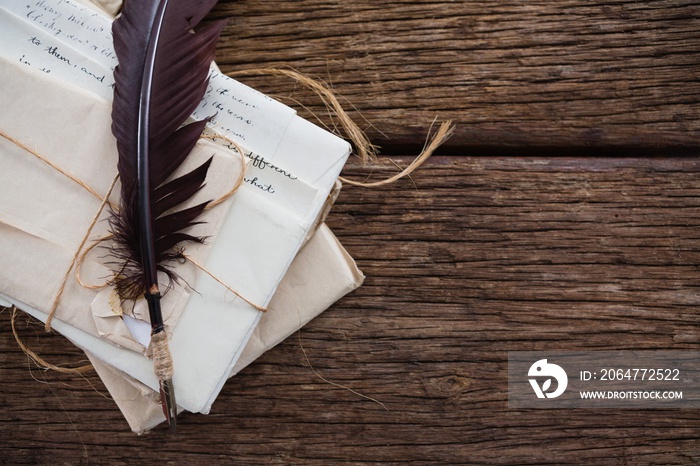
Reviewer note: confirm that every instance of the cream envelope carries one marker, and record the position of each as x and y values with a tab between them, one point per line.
321	274
262	235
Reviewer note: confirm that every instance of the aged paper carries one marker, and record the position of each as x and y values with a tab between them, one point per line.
321	274
262	229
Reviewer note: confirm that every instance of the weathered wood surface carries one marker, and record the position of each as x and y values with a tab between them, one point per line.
565	74
473	258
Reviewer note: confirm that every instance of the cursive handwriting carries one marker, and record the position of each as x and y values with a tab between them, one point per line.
258	161
262	164
86	30
93	75
223	91
256	182
53	51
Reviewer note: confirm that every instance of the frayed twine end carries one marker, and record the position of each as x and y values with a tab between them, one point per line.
366	151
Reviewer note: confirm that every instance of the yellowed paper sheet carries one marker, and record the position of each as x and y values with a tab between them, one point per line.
321	274
264	234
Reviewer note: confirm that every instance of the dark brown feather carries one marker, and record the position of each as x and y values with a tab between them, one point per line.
162	74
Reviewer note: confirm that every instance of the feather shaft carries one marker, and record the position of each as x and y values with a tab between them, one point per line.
148	249
160	79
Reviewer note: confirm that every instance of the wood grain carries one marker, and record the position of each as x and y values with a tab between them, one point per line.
568	74
471	259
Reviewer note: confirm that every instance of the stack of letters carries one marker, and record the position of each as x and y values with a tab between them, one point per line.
267	245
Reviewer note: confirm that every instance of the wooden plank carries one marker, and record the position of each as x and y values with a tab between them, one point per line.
473	258
570	73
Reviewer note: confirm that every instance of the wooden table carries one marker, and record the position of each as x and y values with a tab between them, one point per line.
563	215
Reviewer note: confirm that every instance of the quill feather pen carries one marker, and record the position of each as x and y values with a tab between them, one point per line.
160	79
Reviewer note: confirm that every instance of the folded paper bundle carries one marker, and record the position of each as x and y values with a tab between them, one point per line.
266	246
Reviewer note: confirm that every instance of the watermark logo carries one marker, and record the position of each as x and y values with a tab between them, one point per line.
631	379
545	371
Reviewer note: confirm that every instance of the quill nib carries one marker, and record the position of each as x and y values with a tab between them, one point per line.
163	363
167	399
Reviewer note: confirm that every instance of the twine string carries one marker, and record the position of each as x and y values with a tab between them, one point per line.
48	162
76	255
81	259
41	362
241	176
162	360
81	253
366	151
443	133
211	205
218	280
